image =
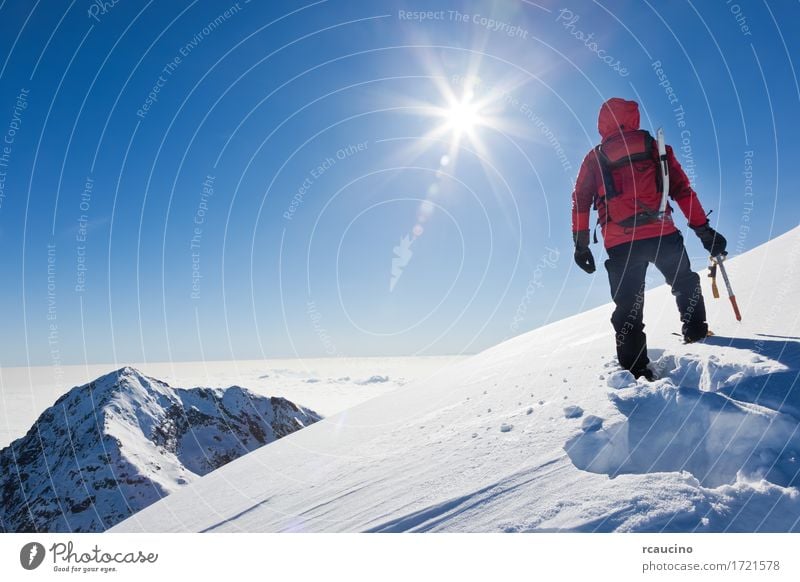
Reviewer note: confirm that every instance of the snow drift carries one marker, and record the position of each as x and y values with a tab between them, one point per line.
542	433
111	447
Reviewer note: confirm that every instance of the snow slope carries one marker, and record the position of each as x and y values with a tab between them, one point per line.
108	448
540	433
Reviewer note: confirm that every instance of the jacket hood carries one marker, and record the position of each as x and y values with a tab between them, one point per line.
617	115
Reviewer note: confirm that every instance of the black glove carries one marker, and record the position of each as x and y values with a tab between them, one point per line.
712	241
583	256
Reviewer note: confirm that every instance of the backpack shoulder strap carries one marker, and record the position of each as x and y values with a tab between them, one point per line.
609	189
650	147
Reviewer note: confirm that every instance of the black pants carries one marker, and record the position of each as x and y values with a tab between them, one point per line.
627	266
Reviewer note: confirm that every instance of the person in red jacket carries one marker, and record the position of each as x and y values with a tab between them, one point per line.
621	178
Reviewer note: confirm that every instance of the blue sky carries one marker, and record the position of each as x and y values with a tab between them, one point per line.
253	168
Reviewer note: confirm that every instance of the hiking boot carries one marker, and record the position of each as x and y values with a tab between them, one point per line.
695	334
645	373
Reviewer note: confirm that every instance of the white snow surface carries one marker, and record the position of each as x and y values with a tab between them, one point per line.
713	445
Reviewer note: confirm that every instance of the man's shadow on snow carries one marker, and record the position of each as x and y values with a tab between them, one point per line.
702	422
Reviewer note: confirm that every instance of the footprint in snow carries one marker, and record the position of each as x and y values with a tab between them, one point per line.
573	411
621	379
591	423
713	437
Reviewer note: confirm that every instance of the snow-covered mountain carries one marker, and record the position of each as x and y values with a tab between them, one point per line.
541	433
327	385
109	448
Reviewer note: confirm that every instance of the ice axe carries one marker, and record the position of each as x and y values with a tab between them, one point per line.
663	164
715	263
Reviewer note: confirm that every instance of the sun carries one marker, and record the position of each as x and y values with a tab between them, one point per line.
462	116
466	111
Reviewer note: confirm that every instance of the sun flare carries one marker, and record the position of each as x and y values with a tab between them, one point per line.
462	116
466	110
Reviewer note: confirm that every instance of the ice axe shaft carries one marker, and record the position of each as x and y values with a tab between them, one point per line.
664	168
731	295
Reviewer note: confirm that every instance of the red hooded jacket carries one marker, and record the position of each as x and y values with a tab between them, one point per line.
618	115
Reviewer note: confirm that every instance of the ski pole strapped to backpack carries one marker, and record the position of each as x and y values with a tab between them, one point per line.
633	188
